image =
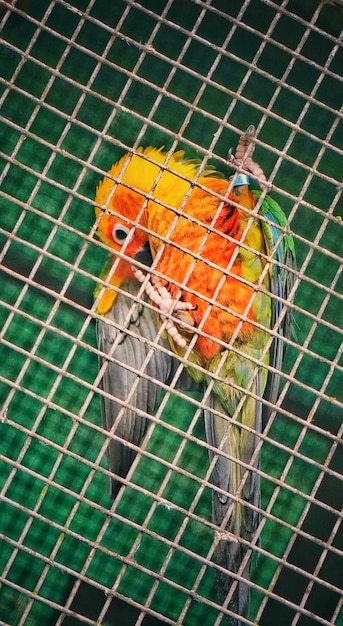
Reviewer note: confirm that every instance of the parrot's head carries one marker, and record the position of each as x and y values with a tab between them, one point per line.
125	197
122	198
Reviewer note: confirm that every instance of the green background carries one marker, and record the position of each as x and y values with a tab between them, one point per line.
69	108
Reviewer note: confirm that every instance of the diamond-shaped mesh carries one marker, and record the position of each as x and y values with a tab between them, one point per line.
83	82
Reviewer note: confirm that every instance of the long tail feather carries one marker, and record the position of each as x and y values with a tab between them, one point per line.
236	521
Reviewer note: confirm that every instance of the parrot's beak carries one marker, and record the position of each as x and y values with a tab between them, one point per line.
144	255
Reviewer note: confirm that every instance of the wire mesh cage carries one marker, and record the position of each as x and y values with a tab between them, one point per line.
82	83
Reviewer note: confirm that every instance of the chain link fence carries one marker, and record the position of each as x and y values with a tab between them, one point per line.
83	82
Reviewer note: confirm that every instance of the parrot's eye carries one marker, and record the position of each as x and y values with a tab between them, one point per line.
120	232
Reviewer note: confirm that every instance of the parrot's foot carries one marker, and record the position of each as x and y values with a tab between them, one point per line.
167	306
243	157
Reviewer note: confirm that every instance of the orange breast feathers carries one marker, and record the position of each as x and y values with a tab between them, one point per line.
207	263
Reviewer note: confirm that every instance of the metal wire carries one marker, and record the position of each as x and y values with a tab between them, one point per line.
83	82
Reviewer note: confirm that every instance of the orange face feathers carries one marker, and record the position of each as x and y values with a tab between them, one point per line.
122	199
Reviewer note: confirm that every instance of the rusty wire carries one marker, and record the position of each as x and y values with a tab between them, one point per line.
30	263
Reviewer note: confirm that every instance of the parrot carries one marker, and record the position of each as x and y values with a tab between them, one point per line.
220	275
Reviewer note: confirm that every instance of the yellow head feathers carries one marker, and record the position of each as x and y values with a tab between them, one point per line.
141	175
137	176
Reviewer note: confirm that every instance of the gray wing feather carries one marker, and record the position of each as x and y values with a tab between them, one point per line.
120	383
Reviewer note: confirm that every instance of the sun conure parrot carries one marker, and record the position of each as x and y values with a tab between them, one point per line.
223	268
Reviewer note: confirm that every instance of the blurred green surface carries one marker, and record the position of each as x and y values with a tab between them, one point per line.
62	123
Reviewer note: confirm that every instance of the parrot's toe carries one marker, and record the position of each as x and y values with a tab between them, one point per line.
251	131
230	155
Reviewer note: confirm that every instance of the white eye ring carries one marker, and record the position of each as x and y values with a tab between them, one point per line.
120	233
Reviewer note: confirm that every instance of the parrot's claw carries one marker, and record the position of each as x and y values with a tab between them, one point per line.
242	159
167	306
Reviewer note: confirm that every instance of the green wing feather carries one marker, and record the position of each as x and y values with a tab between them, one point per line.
234	441
280	247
